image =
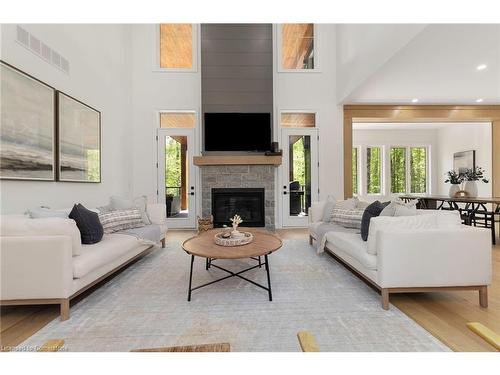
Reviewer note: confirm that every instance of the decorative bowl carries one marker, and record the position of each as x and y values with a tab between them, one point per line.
221	241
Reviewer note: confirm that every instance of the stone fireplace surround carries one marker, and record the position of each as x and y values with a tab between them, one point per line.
239	176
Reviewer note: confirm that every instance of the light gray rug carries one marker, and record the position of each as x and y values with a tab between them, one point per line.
146	306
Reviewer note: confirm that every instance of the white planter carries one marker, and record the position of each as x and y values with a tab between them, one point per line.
471	188
454	189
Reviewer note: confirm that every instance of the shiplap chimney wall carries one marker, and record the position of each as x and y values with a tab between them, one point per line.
237	68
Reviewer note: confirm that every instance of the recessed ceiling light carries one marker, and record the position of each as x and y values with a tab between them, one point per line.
414	100
481	67
480	100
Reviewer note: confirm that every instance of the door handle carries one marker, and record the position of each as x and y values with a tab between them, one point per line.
192	193
285	192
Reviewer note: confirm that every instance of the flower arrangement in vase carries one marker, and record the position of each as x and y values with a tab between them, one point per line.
236	220
455	179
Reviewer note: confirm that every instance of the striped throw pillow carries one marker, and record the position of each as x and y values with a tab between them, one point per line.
347	218
114	221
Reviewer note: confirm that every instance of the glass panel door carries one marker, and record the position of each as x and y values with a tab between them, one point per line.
299	174
176	183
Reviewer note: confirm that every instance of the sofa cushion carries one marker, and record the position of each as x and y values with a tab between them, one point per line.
111	247
352	245
40	212
390	223
373	210
22	225
88	224
399	208
115	221
319	228
119	203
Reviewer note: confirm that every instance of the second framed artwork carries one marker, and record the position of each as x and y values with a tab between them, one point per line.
79	141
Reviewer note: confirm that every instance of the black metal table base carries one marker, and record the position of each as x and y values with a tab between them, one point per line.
209	263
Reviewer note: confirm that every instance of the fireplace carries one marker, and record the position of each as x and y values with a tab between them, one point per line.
247	202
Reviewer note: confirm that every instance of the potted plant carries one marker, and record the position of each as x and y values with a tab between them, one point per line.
455	179
471	176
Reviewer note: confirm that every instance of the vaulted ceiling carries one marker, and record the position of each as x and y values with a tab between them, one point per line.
432	63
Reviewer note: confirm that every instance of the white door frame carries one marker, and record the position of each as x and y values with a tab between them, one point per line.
190	221
286	219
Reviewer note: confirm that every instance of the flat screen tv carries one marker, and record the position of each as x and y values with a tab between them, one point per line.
237	132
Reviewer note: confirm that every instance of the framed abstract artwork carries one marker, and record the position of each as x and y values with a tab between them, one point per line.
464	160
79	141
27	132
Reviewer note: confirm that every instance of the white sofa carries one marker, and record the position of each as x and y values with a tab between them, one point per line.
51	266
448	256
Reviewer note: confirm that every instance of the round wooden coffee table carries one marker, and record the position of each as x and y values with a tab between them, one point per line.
203	245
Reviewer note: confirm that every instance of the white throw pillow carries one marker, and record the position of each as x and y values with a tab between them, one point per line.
392	223
120	203
399	208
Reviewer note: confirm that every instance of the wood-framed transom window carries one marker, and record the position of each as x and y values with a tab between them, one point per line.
298	46
176	46
298	120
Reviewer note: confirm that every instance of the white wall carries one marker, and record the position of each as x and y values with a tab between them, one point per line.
154	91
315	91
99	76
463	137
391	137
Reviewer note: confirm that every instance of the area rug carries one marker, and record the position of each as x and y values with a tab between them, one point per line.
146	306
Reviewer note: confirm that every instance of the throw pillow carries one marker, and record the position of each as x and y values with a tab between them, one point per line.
399	208
119	203
373	210
115	221
88	223
347	218
348	204
41	212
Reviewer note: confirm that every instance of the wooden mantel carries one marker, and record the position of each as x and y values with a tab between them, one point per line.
237	160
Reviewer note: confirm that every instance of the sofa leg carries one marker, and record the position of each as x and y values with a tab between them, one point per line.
310	240
483	296
163	243
64	305
385	298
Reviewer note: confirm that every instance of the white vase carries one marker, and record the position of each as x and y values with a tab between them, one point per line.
454	189
471	188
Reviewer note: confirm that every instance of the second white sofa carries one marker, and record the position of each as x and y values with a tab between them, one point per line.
400	257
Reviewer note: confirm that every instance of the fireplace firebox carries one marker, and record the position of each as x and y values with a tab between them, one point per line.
246	202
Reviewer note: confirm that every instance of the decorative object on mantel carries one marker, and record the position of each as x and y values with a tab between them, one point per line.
245	238
472	175
205	223
455	180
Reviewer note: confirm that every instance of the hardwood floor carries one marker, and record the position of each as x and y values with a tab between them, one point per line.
444	315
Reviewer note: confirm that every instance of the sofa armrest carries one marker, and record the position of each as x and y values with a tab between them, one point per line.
157	213
36	267
437	257
315	212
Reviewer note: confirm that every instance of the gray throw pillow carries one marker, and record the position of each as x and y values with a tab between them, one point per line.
42	212
119	203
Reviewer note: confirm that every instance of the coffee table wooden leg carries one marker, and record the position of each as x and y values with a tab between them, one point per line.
268	278
190	278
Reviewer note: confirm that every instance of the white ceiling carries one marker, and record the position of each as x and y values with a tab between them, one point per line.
439	66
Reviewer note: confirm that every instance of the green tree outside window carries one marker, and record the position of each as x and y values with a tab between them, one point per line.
355	170
373	169
418	169
172	165
398	169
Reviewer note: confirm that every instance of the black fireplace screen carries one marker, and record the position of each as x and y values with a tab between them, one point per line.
248	203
